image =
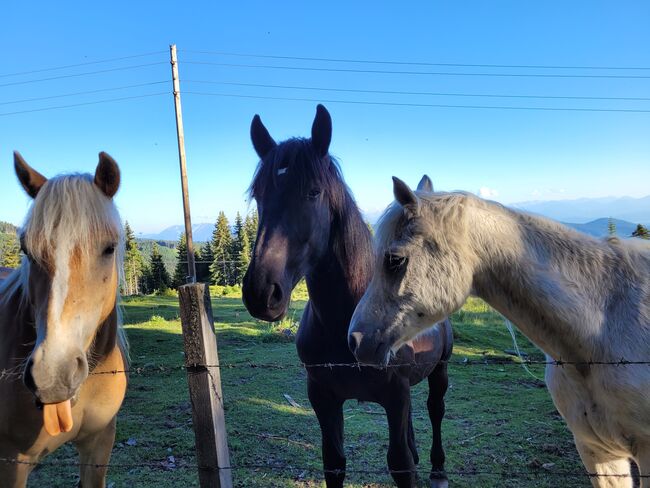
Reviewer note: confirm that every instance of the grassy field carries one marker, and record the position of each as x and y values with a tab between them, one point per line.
499	418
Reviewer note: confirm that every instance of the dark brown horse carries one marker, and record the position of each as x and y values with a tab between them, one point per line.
59	322
311	227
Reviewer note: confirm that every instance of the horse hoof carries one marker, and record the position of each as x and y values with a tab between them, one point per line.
439	483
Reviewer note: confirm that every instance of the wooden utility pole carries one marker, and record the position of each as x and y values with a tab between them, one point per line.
191	267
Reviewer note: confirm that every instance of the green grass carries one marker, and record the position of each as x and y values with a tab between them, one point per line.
498	417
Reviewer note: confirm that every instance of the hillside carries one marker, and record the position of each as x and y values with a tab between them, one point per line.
599	227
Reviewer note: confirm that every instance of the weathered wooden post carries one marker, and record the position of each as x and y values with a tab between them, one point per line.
205	386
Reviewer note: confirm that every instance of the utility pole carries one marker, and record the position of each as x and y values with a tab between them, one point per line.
191	267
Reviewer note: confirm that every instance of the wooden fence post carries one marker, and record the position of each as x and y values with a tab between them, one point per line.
205	386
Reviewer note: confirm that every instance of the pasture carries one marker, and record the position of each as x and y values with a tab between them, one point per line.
499	419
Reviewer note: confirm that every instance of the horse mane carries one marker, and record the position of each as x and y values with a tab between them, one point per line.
351	237
69	207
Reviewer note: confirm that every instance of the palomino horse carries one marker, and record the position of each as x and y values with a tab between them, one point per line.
581	300
59	323
310	226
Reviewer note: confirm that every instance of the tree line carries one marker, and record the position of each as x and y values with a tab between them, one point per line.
221	261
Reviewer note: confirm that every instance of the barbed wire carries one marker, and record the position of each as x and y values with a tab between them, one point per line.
489	361
513	473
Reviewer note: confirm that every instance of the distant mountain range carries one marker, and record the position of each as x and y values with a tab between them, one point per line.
589	215
587	210
200	233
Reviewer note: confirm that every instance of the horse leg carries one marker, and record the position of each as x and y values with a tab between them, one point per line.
643	463
614	471
438	383
94	454
411	439
13	475
329	411
400	457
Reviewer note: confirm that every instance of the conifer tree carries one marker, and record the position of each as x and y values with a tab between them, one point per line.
181	271
10	252
220	244
206	257
641	232
159	277
611	227
236	250
244	258
250	225
133	263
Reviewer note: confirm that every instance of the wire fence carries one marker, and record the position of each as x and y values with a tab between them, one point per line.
497	361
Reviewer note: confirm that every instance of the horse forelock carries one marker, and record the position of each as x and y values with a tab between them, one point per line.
70	211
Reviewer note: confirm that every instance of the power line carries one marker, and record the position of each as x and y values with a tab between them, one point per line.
55	68
123	68
83	92
427	105
399	92
431	73
412	63
83	103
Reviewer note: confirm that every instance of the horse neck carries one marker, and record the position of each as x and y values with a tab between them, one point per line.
550	281
340	277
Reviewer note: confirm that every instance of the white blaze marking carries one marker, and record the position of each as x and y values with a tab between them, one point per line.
59	284
282	171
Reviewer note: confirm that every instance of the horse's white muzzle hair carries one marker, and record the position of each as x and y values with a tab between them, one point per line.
55	376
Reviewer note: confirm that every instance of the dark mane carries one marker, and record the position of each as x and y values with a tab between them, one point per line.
304	169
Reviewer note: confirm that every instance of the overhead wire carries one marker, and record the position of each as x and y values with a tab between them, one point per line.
88	92
3	114
415	73
413	63
74	75
402	92
429	105
76	65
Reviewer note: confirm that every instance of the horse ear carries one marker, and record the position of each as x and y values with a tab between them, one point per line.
321	131
425	185
107	175
29	178
262	140
405	196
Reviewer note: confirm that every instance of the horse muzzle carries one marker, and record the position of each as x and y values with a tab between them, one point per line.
370	347
265	300
55	383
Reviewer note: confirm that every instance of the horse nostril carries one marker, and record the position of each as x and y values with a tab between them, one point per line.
354	339
275	298
79	372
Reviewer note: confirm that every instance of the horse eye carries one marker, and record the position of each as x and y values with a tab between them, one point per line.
110	249
313	194
394	263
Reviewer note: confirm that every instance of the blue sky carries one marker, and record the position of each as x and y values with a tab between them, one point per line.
514	155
